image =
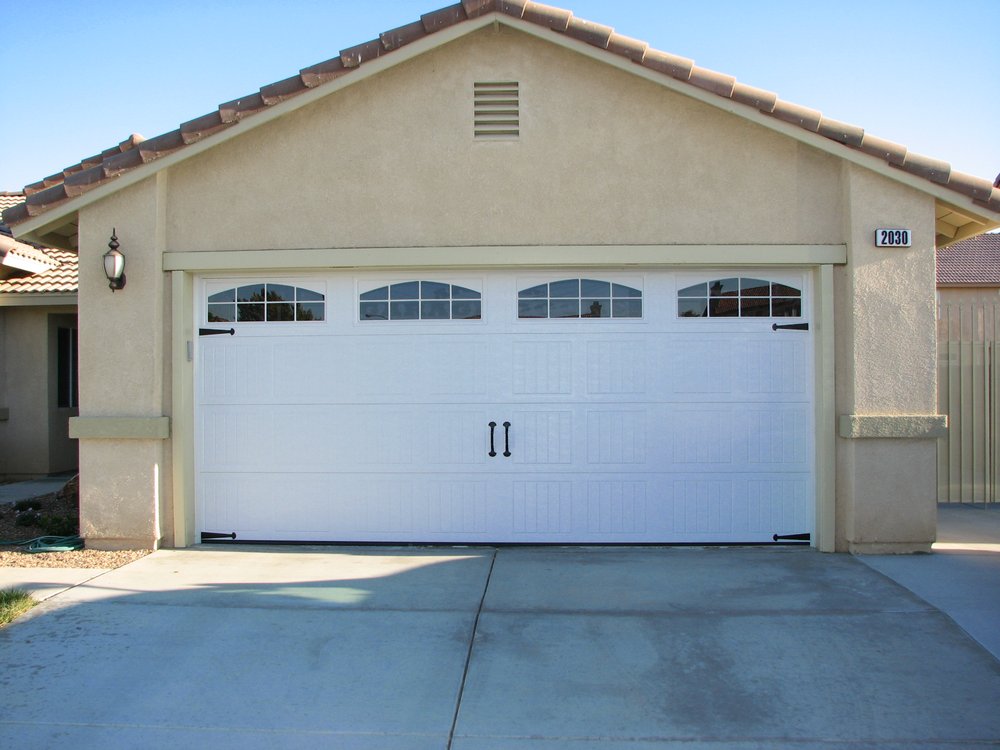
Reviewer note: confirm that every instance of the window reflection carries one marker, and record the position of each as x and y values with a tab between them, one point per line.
579	298
420	300
739	297
266	302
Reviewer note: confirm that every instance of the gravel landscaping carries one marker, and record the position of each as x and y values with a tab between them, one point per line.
55	514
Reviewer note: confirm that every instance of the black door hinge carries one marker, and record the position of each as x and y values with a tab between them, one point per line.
792	537
791	327
208	536
216	331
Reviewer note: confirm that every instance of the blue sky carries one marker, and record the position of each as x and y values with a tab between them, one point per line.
81	75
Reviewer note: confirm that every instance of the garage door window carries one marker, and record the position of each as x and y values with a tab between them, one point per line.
579	298
266	303
739	297
420	300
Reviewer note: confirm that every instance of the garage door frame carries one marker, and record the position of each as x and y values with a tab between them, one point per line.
184	266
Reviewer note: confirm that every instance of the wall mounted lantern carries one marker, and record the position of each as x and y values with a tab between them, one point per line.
114	265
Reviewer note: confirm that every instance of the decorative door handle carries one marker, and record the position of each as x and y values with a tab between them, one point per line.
506	439
493	426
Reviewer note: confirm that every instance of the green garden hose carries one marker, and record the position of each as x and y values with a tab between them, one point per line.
47	544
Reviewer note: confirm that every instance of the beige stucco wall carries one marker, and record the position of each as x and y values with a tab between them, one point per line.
123	335
605	157
34	439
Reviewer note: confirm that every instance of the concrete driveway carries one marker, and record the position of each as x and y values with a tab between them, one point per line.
534	648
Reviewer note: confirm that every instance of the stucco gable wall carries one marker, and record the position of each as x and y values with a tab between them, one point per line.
604	157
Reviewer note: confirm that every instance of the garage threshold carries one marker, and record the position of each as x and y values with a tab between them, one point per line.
498	545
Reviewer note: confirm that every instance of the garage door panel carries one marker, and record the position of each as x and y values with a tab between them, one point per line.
617	367
540	437
755	366
617	508
236	371
322	437
541	367
747	507
616	436
542	509
774	366
416	365
700	366
739	437
659	429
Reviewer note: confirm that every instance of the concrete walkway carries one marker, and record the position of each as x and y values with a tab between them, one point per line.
533	648
962	577
11	493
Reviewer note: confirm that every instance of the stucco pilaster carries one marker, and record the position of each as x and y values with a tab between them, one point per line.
886	368
122	371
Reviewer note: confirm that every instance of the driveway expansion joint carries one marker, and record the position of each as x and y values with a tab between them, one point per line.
468	655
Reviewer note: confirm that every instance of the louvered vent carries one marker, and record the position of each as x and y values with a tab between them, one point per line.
497	110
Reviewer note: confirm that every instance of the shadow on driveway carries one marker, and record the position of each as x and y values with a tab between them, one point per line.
535	648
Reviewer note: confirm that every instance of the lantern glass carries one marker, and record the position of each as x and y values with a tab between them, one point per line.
114	265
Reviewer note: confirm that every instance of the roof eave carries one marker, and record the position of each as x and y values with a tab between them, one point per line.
36	227
40	228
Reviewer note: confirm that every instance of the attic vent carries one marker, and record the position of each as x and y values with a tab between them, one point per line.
497	110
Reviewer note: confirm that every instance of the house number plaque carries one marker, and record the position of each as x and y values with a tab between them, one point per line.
892	238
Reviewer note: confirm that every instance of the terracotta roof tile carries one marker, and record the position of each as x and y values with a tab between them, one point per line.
757	98
513	8
12	208
237	109
796	114
717	83
133	152
281	90
474	8
590	32
934	170
972	186
322	72
40	202
850	135
352	57
200	127
403	35
891	152
626	46
556	19
971	262
80	182
663	62
443	18
8	200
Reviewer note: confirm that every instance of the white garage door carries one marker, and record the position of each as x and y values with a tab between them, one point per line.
506	407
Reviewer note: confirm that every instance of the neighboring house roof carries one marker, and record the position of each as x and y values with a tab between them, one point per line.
136	152
10	199
971	262
59	278
26	269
